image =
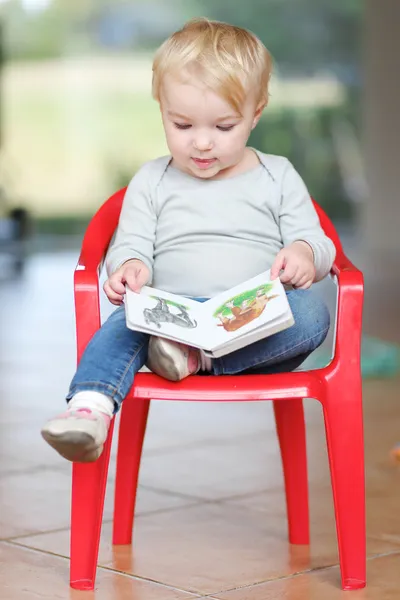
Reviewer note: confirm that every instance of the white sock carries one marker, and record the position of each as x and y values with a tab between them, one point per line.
92	400
205	362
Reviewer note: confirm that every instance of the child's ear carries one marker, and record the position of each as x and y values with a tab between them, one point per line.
258	113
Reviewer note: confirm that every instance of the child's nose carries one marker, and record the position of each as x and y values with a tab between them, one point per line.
203	143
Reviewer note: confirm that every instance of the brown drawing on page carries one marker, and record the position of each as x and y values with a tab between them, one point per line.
244	308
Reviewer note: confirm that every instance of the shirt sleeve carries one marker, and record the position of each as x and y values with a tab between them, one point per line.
135	234
299	221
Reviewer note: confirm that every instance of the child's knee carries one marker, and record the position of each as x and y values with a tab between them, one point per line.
311	314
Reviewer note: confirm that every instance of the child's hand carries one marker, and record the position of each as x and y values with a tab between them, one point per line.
134	273
297	263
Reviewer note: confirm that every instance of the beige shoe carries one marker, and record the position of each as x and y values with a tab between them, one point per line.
78	435
172	360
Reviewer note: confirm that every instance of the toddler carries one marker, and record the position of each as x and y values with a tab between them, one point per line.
209	216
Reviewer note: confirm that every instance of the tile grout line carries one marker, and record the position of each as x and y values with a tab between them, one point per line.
110	569
195	594
14	538
153	581
104	522
157	490
165	492
217	442
300	573
222	500
196	501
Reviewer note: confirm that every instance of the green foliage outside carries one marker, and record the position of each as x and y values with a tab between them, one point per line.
305	37
305	137
305	34
302	35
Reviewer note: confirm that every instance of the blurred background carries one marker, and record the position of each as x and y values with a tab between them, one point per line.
77	117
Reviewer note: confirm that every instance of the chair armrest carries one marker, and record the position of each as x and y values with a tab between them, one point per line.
99	233
87	306
348	328
95	244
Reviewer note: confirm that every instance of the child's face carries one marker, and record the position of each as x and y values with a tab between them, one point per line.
205	136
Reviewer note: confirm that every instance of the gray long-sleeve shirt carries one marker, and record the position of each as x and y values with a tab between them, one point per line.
200	237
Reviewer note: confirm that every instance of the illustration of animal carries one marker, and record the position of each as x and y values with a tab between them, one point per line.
162	314
246	313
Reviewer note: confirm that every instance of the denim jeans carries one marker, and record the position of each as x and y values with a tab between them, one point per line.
115	353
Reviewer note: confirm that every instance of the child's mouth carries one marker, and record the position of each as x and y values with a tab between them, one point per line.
203	163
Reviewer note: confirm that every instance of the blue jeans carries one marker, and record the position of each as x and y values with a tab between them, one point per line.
115	353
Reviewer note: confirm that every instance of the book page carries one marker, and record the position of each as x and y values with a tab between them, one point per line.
279	324
244	308
167	315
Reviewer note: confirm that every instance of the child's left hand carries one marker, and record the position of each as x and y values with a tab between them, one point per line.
297	263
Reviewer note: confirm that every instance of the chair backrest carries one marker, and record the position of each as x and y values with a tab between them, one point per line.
328	227
104	223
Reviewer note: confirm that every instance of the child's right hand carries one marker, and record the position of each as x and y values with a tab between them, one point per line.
133	273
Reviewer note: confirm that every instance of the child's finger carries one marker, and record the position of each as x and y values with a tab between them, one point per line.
299	278
289	273
135	280
116	285
117	302
142	277
277	265
304	283
113	297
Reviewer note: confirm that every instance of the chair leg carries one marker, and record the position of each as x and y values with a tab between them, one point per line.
344	433
290	426
88	491
131	435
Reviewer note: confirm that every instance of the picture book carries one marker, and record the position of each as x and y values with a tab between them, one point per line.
248	312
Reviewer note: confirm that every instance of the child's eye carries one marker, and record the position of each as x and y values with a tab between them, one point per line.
182	126
225	127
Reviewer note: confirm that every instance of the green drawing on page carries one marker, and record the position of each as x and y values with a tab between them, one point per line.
243	308
245	297
171	303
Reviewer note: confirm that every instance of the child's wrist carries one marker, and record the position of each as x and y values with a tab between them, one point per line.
305	246
132	261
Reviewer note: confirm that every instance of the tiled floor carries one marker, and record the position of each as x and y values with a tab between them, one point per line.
210	516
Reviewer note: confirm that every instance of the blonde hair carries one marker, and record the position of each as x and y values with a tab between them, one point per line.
229	60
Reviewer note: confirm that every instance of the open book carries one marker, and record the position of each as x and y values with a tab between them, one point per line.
243	314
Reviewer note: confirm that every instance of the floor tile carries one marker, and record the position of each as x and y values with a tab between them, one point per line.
40	501
203	549
175	424
383	576
215	471
27	575
209	548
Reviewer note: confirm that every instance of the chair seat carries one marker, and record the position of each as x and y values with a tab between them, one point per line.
299	384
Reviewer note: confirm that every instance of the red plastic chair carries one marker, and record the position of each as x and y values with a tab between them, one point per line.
337	386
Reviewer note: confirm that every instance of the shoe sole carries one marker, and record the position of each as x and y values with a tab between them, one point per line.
75	446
